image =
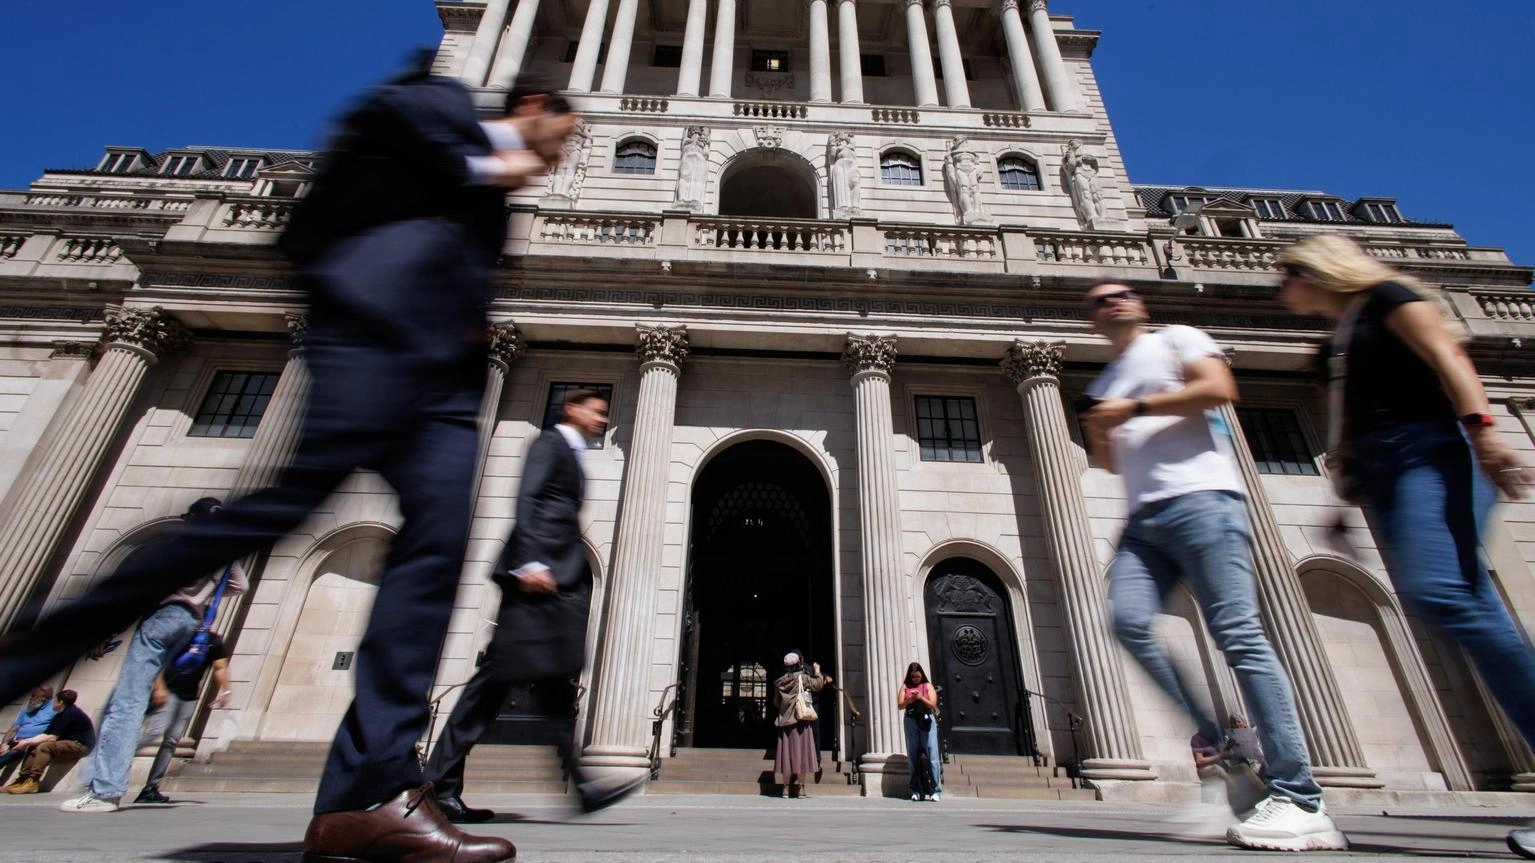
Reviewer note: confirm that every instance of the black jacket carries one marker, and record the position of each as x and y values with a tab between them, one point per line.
544	636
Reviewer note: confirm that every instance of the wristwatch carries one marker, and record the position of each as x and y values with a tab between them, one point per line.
1140	407
1478	420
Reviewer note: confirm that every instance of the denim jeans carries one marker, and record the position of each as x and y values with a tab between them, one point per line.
918	742
1203	538
165	728
1428	502
158	636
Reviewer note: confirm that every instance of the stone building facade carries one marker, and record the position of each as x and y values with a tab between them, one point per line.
828	256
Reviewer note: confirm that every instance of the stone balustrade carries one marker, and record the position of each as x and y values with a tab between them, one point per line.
771	110
258	214
1226	254
88	250
1006	121
1417	253
10	244
918	242
1516	307
896	115
760	235
643	104
108	201
597	230
1116	250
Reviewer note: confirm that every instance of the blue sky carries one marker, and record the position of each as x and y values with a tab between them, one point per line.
1428	101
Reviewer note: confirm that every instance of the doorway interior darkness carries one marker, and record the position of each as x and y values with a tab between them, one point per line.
760	583
768	184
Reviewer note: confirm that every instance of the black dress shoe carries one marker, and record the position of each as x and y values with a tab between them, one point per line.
454	810
604	792
151	794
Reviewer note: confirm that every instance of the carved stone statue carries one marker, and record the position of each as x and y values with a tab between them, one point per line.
962	179
1079	174
842	177
693	175
565	181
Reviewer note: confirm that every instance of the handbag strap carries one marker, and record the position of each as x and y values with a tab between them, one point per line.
213	604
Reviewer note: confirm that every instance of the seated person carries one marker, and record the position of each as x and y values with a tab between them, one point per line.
70	736
30	722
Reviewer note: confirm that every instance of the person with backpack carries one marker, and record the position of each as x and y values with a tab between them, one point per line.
919	700
175	703
161	638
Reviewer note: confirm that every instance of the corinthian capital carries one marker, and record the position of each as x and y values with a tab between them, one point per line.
1009	5
1038	6
869	354
298	330
938	3
150	330
661	344
506	344
1028	360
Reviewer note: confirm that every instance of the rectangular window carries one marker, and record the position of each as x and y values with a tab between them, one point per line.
947	429
1179	203
573	47
180	166
873	65
234	404
118	163
242	169
1275	438
1383	213
769	61
1230	228
668	57
1326	211
554	409
1268	208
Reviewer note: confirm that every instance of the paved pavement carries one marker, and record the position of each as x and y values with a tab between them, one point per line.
269	828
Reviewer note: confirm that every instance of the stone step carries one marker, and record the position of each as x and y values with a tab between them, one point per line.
474	772
690	786
199	784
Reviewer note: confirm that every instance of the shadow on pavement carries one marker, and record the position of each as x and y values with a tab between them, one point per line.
238	852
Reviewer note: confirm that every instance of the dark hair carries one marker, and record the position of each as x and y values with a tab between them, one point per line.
203	506
580	396
67	696
529	85
917	667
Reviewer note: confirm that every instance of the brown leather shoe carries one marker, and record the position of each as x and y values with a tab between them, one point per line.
409	827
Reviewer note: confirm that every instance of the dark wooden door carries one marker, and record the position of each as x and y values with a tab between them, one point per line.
970	640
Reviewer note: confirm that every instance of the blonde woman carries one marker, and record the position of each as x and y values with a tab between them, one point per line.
1411	440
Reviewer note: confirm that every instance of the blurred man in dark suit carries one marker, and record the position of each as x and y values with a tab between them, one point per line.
546	591
395	246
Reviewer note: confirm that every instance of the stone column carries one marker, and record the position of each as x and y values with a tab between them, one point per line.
47	500
506	347
616	70
888	622
1058	86
820	52
69	364
621	702
514	45
849	54
923	80
722	70
1024	77
1110	737
483	50
1336	756
955	87
585	66
693	48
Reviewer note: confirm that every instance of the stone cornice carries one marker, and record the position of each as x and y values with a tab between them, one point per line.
869	354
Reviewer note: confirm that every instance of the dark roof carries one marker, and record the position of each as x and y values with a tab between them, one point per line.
1154	200
215	160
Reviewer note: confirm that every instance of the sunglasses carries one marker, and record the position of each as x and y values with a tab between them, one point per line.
1102	300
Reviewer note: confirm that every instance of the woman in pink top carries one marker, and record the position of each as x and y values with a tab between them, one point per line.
920	701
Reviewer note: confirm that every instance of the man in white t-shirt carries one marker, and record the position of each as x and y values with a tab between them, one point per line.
1155	424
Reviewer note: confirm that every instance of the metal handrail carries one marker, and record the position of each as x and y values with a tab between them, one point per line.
855	718
661	712
435	704
1075	723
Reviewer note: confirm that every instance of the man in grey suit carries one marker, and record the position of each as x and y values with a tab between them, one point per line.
546	589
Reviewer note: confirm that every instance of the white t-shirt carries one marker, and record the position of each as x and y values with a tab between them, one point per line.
1160	457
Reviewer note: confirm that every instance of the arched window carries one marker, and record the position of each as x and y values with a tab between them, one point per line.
1018	174
899	168
635	156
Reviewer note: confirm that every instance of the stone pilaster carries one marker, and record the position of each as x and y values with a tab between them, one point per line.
850	58
955	87
514	45
1030	96
584	68
68	366
1058	86
722	68
506	347
616	70
47	500
691	71
1336	756
1113	745
820	52
621	705
922	77
482	51
888	622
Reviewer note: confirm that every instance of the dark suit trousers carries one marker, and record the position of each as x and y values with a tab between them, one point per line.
375	406
477	708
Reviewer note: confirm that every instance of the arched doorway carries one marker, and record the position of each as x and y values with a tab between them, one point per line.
315	686
769	184
760	583
975	661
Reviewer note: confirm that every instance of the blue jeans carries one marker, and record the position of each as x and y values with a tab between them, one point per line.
1428	502
918	742
1202	537
158	636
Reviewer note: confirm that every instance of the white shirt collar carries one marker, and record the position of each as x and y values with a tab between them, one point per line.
574	438
503	136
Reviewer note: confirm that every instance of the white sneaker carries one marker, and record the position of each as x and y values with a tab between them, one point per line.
1522	842
88	802
916	797
1280	825
937	798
